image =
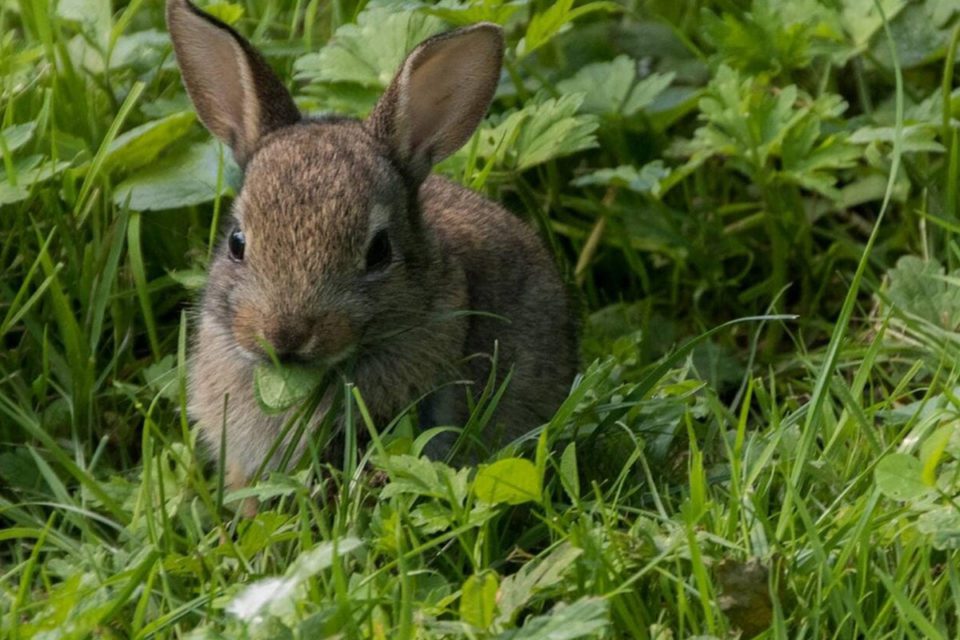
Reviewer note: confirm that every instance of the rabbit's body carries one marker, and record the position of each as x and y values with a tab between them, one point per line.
344	253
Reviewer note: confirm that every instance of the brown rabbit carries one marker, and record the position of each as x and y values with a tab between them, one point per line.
343	248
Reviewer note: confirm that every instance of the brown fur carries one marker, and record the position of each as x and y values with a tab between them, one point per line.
314	194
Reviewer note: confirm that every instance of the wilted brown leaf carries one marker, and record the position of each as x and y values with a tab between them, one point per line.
745	595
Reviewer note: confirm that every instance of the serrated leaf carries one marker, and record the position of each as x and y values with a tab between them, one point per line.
919	287
508	481
421	476
899	476
462	14
772	36
279	388
750	126
517	589
369	52
542	130
613	88
813	162
942	525
478	599
545	25
183	179
431	517
584	618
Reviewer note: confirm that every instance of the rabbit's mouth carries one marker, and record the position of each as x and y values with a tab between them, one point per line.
325	338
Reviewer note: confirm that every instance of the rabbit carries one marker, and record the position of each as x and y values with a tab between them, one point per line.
343	248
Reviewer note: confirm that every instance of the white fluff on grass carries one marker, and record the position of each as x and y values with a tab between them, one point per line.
275	595
257	596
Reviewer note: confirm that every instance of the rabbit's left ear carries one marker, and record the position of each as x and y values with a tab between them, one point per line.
439	96
236	94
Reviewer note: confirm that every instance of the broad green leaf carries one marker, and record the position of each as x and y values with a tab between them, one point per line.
915	138
569	475
228	12
17	135
142	49
508	481
185	178
94	16
192	279
941	11
478	599
279	388
613	88
862	19
932	450
204	633
28	171
585	618
644	180
141	145
139	49
369	52
918	36
899	476
161	376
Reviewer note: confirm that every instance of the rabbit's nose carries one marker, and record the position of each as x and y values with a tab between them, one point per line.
287	337
319	336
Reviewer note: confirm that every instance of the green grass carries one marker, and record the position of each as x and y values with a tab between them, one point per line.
764	438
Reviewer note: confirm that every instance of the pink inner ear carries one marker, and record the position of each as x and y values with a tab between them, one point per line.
448	90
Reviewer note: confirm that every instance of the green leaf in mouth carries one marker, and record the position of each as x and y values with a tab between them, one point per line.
277	388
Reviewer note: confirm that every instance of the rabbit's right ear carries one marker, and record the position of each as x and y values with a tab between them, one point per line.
236	94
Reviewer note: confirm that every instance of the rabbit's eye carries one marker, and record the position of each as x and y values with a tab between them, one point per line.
236	243
379	252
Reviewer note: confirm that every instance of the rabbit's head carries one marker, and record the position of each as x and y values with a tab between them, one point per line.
326	250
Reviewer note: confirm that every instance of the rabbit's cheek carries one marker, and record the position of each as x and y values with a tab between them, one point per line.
246	329
333	335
